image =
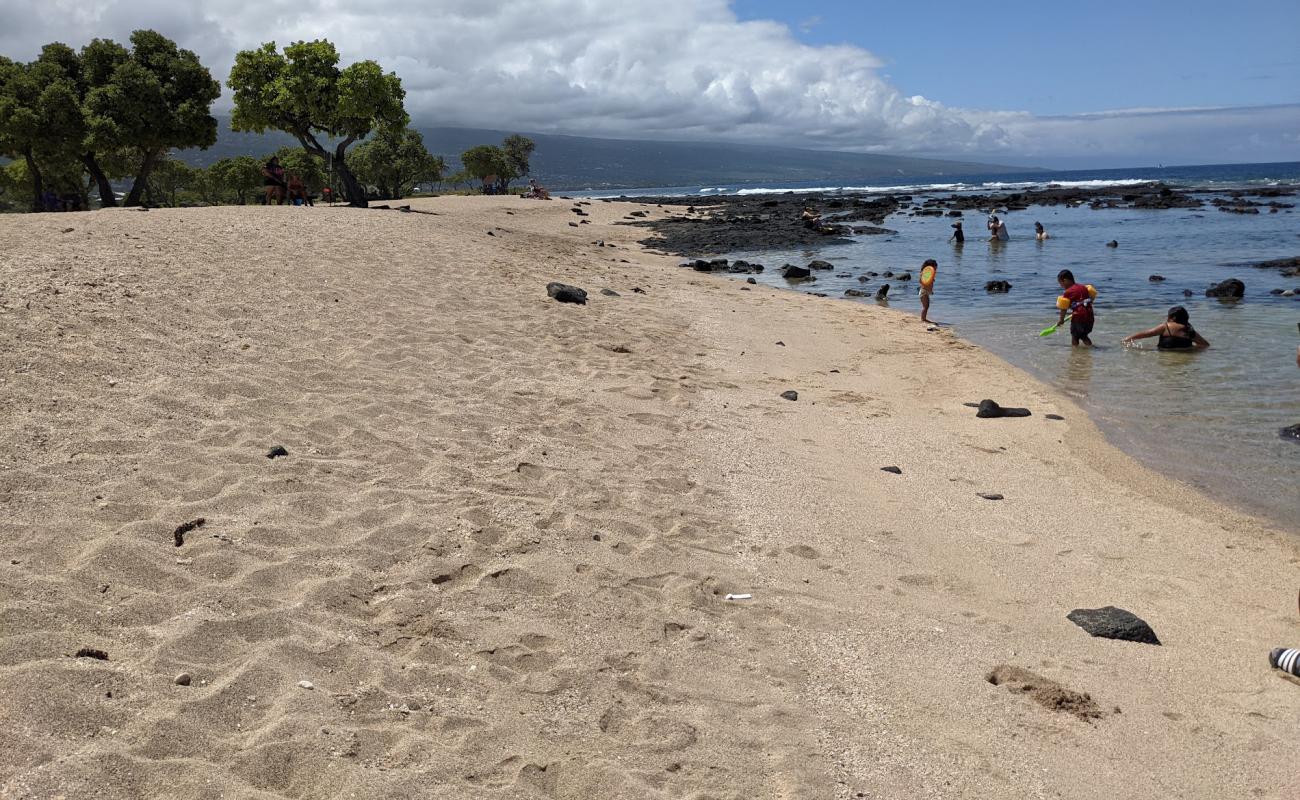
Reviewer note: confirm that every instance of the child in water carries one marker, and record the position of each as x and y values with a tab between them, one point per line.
1076	301
927	287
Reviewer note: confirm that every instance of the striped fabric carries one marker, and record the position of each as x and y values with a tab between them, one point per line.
1286	659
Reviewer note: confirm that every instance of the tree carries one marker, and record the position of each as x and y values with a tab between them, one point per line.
10	185
94	67
500	164
518	150
168	178
239	177
395	161
38	106
304	93
158	99
297	161
459	178
487	163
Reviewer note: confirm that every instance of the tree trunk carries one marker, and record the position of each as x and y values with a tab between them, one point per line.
106	197
353	191
356	193
38	185
141	179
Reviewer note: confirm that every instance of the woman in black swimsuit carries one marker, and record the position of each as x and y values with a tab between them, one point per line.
1176	334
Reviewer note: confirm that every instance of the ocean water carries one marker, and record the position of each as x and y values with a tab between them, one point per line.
1209	418
1213	176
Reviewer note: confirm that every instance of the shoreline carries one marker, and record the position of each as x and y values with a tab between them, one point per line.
706	231
500	545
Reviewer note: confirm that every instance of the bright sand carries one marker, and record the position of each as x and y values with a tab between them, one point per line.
499	547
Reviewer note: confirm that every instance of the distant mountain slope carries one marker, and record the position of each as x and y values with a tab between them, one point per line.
577	162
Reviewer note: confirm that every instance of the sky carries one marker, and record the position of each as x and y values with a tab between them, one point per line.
1056	84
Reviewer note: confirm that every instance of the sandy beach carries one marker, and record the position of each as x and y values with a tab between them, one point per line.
494	561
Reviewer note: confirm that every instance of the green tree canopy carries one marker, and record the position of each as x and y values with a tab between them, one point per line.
297	161
518	150
157	99
237	178
394	161
500	165
169	178
487	162
304	93
39	118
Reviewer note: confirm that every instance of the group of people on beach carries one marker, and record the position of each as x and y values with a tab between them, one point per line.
282	186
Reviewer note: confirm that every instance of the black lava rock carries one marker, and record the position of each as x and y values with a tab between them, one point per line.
790	394
894	470
565	293
610	293
1113	623
277	452
991	410
178	535
750	281
1231	288
819	265
1291	432
856	293
792	273
1156	278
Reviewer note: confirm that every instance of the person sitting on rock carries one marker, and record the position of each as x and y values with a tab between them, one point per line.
811	219
1175	334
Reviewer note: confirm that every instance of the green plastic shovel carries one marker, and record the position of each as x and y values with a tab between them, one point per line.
1052	330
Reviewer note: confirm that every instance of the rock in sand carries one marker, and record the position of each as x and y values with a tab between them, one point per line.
989	409
1110	622
565	293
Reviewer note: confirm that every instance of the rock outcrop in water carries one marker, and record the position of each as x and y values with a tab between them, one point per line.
1231	288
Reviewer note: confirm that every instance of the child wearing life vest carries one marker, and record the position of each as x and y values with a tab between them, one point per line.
1075	301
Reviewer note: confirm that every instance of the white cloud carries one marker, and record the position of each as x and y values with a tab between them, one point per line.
667	69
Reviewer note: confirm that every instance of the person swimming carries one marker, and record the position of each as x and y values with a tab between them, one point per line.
1176	333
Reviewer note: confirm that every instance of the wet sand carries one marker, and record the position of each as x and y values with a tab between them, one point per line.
494	561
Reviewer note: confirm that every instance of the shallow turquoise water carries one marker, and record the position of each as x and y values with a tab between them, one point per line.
1209	418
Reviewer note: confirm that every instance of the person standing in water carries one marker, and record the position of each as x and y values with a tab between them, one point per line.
1175	334
997	229
1040	233
957	235
1076	301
